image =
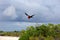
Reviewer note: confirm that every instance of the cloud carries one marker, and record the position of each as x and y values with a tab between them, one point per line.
44	10
10	12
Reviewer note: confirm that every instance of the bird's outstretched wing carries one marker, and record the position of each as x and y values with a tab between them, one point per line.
32	15
26	14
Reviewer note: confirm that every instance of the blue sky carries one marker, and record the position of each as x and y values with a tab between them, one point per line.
12	26
13	11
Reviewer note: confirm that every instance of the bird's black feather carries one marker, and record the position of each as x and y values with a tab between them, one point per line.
26	14
32	15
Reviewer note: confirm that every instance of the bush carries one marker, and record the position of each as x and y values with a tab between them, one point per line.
45	32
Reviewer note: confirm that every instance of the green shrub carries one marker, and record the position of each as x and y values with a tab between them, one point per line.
42	32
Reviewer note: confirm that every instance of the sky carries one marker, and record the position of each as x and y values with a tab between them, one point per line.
12	12
15	26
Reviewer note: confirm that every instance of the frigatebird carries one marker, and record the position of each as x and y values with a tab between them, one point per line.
29	16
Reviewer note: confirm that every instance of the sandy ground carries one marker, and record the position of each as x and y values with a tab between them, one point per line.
8	38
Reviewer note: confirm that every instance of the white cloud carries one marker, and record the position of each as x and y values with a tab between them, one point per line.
10	12
44	10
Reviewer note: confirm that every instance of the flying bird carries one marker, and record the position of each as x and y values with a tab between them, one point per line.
29	16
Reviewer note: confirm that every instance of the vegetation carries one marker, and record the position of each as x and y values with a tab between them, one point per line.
13	33
41	32
37	32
